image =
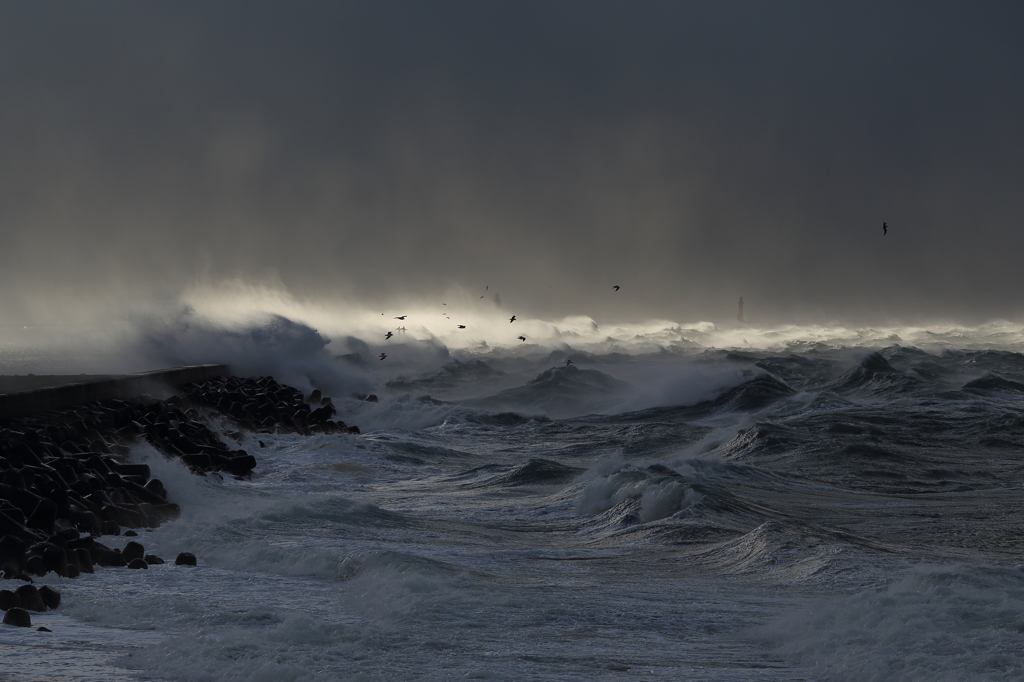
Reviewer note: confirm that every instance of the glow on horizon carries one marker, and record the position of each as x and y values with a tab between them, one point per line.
487	327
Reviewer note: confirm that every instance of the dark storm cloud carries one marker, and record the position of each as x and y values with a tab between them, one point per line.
690	152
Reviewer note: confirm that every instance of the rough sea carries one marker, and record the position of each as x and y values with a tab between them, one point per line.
678	503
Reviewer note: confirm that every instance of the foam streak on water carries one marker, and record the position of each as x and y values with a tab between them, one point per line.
794	513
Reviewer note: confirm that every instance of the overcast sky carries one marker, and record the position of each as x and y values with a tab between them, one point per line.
688	152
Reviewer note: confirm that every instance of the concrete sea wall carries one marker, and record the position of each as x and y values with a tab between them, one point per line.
128	386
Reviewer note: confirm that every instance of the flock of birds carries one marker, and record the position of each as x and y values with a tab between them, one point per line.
521	337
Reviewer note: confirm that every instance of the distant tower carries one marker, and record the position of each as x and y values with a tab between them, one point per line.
739	316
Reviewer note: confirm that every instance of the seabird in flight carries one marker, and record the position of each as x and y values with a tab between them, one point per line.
388	336
568	361
616	287
513	319
383	355
522	338
462	326
401	317
885	229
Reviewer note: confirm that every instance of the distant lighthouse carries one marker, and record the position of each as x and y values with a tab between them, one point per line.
739	315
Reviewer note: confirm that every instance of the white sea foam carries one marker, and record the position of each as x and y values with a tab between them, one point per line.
263	329
663	499
938	623
658	498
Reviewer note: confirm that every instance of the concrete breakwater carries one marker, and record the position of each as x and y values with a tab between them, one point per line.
67	481
25	402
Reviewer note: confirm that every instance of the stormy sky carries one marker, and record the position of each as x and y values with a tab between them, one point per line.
378	152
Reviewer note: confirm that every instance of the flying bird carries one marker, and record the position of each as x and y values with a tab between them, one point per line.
616	287
568	361
388	336
885	229
462	326
487	287
383	355
522	338
401	317
513	319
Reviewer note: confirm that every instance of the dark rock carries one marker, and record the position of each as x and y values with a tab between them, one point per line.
82	543
12	549
133	550
30	599
34	565
50	597
14	515
138	563
85	562
72	558
43	517
9	600
98	499
185	559
65	528
319	415
18	618
42	629
198	462
134	470
153	559
132	518
57	540
239	464
155	486
54	558
86	521
21	497
98	465
105	556
130	534
81	487
109	512
68	475
142	493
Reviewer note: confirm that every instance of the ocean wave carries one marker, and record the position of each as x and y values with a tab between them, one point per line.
874	375
994	382
558	392
535	471
937	623
789	551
